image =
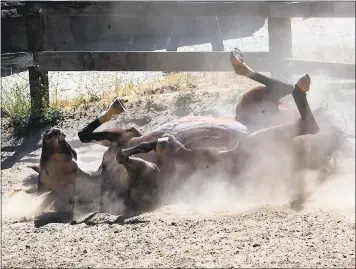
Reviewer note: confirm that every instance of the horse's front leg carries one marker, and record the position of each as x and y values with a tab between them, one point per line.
106	137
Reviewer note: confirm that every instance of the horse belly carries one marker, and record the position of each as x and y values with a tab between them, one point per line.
207	132
201	132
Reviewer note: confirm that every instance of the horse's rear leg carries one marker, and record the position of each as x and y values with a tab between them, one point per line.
286	134
274	90
87	133
305	125
168	144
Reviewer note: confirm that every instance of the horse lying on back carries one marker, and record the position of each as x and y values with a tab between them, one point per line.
262	130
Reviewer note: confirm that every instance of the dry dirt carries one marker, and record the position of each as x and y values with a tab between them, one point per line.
219	228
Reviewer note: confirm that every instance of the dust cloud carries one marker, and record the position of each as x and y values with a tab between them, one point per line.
272	182
21	206
268	182
217	194
338	194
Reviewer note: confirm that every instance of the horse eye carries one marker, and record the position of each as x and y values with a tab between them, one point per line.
263	111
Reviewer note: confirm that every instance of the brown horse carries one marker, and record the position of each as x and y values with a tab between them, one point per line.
182	147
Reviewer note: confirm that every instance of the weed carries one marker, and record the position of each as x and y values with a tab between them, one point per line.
15	97
183	101
26	123
94	98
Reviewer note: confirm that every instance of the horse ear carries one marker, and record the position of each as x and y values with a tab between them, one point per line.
36	168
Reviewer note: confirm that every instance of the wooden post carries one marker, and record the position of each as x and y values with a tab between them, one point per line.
280	45
39	87
38	91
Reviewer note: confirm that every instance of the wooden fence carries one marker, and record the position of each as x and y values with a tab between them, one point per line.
38	18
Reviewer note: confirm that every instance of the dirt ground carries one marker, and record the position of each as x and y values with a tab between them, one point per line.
218	228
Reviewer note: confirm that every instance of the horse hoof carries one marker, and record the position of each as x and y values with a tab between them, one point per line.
237	62
162	144
117	106
304	83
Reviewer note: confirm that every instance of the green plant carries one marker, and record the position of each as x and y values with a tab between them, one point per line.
15	95
16	100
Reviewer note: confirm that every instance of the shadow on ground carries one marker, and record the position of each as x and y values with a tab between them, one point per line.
24	148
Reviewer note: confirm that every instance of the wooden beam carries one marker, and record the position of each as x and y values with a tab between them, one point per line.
11	71
317	68
180	61
153	8
18	60
197	8
143	61
166	61
11	9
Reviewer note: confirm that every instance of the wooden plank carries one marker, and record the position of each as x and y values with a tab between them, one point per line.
11	71
10	13
317	68
170	61
197	8
64	33
12	9
17	60
143	61
152	8
13	35
180	61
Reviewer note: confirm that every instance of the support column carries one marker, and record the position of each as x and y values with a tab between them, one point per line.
39	87
39	91
280	45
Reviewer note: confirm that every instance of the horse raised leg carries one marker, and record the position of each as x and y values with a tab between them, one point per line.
117	137
286	134
261	106
274	90
305	125
106	137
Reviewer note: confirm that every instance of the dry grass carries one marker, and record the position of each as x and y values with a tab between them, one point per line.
129	89
91	89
